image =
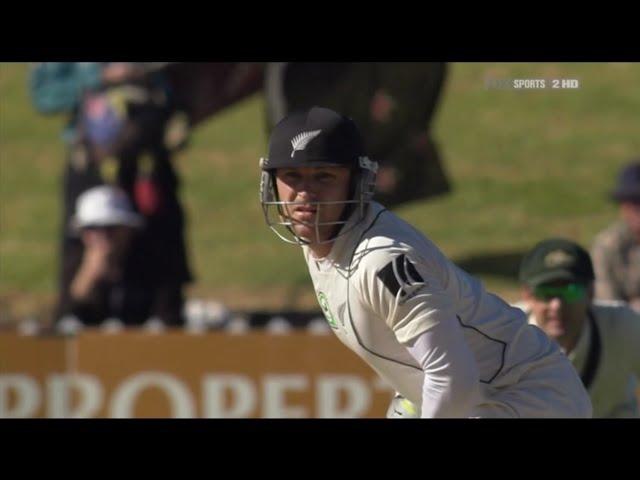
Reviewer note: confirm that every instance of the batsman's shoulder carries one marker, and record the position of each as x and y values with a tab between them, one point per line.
385	241
378	253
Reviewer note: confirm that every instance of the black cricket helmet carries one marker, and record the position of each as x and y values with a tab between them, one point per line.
314	138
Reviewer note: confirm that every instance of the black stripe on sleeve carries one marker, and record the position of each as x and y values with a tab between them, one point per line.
389	279
399	264
414	276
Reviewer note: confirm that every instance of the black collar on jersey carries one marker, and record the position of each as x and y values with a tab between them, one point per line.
593	356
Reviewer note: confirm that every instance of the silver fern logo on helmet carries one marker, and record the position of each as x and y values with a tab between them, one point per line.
300	141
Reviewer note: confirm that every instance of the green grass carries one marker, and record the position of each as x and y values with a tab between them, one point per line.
524	164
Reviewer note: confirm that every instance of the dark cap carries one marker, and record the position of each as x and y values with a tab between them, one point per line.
556	259
313	138
628	185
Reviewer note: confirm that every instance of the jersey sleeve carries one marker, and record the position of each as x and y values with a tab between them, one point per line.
450	384
405	292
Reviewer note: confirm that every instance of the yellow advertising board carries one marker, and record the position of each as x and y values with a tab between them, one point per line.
176	374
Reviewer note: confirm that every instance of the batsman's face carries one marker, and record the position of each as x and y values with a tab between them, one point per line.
560	319
306	186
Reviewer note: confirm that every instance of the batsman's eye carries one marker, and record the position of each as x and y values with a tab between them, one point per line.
325	177
289	176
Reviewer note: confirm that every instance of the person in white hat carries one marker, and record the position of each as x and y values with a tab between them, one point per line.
116	277
105	221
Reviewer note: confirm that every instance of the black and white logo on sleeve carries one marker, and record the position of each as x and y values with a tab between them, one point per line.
400	275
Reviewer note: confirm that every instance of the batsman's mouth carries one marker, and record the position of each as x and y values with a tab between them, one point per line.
305	213
304	217
305	208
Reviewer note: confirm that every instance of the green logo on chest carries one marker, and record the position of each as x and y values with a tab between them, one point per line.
324	304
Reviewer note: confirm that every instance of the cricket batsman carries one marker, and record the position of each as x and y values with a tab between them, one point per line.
425	326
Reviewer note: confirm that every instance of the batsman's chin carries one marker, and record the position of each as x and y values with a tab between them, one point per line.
305	232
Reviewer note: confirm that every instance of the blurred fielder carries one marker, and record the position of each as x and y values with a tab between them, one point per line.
601	339
426	327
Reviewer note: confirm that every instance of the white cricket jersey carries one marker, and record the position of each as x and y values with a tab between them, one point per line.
384	283
607	357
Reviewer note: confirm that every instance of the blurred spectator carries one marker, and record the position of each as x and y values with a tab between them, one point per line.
393	103
204	89
114	279
122	129
616	250
601	340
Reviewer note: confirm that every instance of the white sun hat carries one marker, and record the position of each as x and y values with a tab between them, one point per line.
104	206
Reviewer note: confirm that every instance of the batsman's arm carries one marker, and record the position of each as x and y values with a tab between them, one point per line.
450	372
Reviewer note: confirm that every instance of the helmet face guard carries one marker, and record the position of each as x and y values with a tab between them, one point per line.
275	210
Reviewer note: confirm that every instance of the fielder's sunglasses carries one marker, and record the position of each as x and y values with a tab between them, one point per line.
570	293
